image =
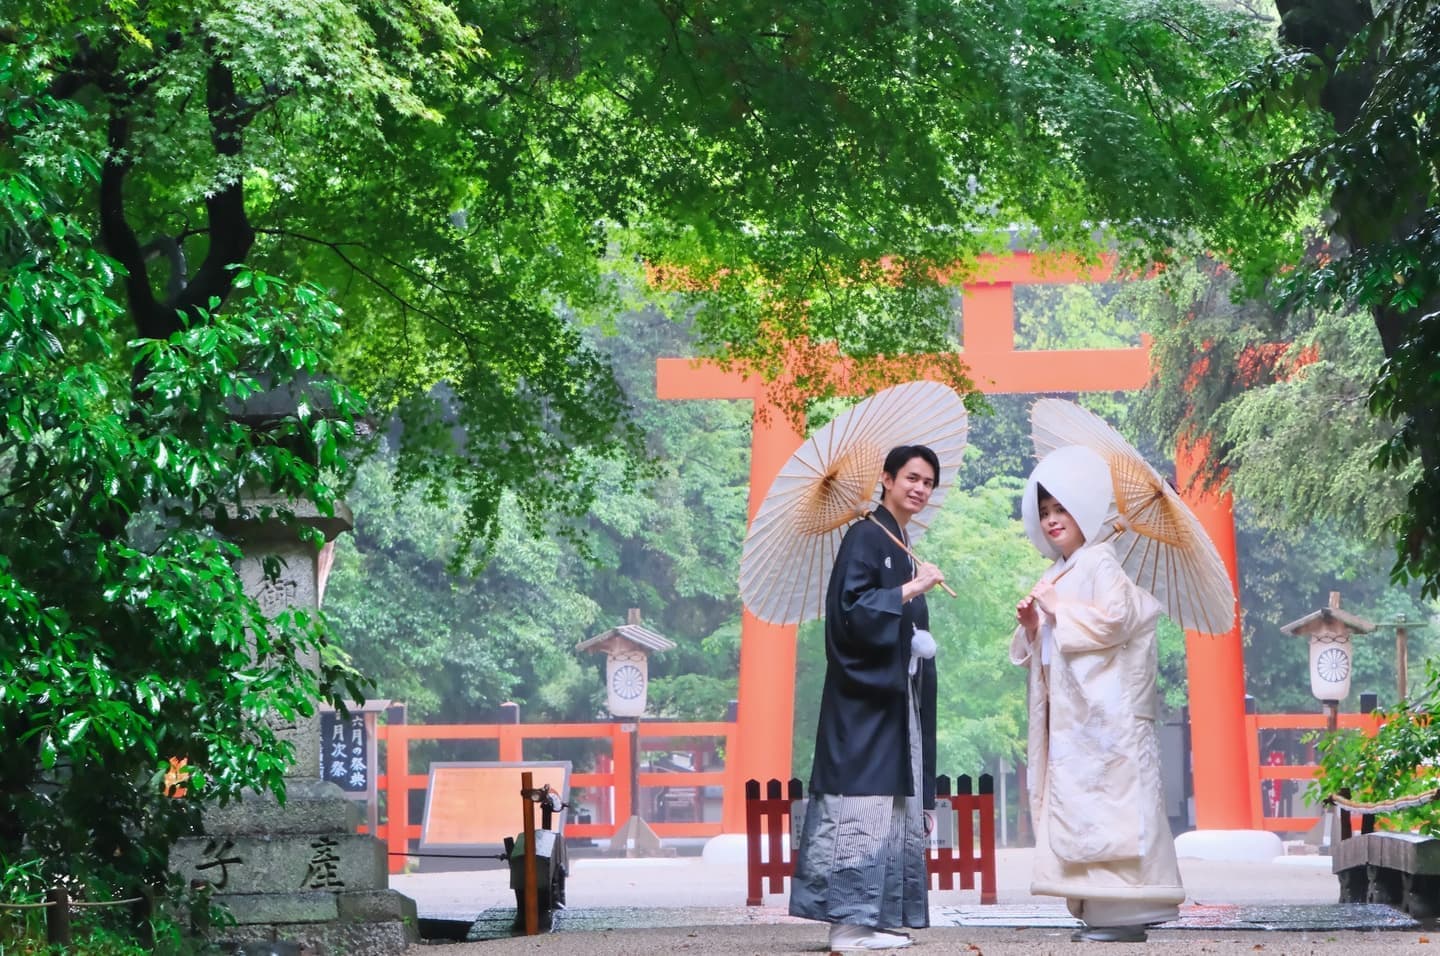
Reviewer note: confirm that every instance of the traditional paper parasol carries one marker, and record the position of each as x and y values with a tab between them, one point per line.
834	479
1160	542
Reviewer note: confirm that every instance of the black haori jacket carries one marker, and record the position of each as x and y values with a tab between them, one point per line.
861	742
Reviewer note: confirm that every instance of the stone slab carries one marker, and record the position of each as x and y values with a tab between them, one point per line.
498	923
282	864
311	806
251	908
390	938
376	906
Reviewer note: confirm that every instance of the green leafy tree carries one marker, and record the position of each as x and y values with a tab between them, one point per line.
467	180
1397	761
1283	396
1286	574
455	646
451	646
1354	83
126	636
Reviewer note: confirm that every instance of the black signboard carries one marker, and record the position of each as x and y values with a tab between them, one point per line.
344	746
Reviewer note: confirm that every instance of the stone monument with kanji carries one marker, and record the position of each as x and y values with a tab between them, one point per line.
297	872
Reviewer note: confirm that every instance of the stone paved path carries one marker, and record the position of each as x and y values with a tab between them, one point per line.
693	906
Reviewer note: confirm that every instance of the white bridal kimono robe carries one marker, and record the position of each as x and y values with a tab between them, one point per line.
1102	839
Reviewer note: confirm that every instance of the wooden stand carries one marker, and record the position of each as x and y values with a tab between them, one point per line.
635	838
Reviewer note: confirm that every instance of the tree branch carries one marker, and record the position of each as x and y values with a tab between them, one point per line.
174	252
231	234
116	236
406	305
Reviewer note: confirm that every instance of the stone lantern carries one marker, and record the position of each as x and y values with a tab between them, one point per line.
293	874
1329	631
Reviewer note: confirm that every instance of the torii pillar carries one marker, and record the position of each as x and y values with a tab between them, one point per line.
761	748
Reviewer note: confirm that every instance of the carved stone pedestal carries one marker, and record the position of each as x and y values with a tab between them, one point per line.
299	873
296	872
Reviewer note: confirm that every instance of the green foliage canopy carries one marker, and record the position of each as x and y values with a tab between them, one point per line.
454	172
1356	82
466	180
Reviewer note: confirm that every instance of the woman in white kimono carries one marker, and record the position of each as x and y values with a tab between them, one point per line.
1087	634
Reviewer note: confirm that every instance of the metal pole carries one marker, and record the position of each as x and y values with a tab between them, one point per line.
532	902
1004	807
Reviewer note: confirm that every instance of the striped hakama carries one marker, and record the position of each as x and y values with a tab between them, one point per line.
861	859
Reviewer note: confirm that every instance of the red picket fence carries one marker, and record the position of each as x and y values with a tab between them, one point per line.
767	820
955	853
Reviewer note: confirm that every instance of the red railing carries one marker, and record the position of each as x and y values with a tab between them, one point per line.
956	851
1254	724
398	781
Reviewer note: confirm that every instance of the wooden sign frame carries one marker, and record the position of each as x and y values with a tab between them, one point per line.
477	803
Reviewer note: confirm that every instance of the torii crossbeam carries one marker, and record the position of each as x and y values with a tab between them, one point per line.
1215	665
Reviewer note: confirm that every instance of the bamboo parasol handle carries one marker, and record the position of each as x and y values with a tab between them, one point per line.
912	554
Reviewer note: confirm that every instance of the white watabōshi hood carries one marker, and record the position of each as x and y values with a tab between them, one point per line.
1080	480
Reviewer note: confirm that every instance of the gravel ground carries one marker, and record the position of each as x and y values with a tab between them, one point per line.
696	906
768	939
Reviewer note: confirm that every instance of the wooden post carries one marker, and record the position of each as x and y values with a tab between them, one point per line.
622	752
1000	773
57	916
635	801
532	893
372	771
1024	834
512	744
397	794
1332	720
1402	655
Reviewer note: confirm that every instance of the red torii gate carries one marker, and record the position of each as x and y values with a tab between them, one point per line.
1215	665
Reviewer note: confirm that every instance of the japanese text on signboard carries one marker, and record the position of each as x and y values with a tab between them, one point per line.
343	744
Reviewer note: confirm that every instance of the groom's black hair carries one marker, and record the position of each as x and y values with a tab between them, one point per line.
900	454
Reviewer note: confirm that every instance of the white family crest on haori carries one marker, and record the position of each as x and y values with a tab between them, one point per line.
832	480
1158	539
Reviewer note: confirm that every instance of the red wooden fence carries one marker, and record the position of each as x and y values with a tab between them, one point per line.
1300	773
953	853
396	783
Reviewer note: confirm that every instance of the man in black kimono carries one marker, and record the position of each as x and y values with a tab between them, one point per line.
860	865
